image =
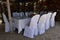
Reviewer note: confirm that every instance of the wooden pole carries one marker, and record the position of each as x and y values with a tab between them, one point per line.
9	15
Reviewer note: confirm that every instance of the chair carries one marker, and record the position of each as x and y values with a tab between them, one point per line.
32	29
31	12
21	14
52	21
15	14
43	12
41	24
7	26
26	14
48	20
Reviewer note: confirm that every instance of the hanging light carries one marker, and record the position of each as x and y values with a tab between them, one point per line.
0	1
26	4
40	0
20	3
44	0
0	21
45	6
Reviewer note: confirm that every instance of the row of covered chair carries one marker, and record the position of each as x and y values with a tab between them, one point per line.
38	24
39	27
22	14
15	14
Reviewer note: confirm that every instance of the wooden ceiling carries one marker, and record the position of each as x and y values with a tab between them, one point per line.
26	0
22	0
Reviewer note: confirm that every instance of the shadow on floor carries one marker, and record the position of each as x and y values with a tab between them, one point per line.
51	34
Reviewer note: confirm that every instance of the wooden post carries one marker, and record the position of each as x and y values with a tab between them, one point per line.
9	15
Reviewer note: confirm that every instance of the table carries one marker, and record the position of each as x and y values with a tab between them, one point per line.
21	23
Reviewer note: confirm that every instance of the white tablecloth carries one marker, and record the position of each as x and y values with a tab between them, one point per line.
21	23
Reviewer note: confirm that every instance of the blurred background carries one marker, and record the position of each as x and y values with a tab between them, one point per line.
30	5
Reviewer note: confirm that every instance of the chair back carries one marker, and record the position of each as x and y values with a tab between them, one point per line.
43	18
4	18
34	20
42	13
26	14
47	26
30	13
49	15
52	20
53	15
41	24
7	26
21	14
15	14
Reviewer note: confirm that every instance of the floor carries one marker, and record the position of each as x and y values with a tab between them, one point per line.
51	34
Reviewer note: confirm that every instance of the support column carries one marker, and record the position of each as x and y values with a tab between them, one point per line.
9	15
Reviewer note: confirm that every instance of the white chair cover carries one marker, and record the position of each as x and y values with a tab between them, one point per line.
32	29
48	20
21	14
7	27
26	13
52	21
31	12
42	13
41	24
15	14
